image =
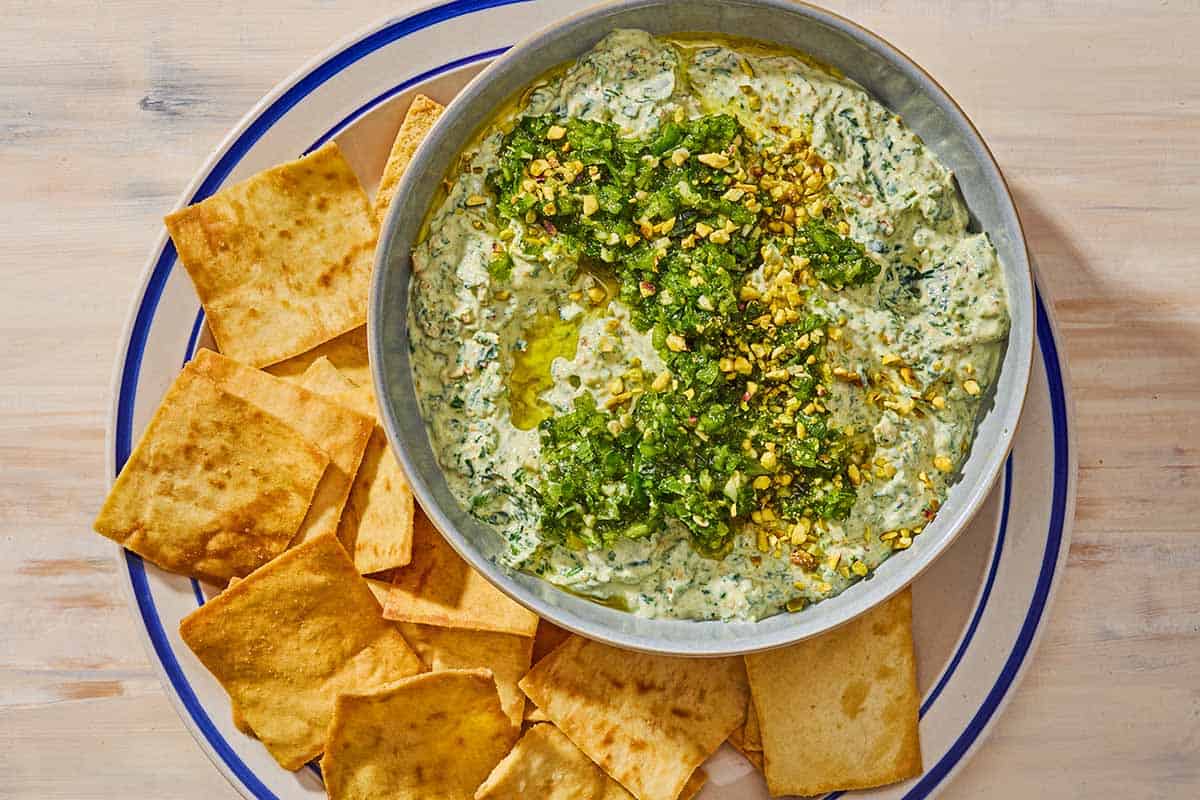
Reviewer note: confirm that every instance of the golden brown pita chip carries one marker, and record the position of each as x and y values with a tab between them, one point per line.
347	353
738	737
239	722
546	765
506	655
694	785
377	522
216	486
649	721
548	637
339	431
432	737
323	378
281	261
439	588
418	121
379	587
740	742
755	757
534	714
840	711
747	739
753	734
291	637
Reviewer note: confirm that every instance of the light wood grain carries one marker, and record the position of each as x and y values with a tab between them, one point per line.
1092	109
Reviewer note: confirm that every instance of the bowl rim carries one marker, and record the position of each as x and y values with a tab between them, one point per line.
499	576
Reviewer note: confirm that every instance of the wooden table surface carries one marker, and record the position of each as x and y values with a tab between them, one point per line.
1092	109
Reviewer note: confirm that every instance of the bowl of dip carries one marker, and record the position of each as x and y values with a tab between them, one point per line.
701	327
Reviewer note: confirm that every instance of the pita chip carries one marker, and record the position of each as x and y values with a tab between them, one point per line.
291	637
534	714
281	261
439	588
346	353
433	737
545	764
506	655
747	739
239	722
742	741
694	785
752	733
341	432
418	121
216	486
323	378
548	637
649	721
377	521
840	711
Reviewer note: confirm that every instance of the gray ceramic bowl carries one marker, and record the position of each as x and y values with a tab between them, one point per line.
889	76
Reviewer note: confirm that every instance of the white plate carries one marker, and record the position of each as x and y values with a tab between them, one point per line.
979	609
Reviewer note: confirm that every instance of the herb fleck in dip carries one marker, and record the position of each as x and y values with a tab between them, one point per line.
700	330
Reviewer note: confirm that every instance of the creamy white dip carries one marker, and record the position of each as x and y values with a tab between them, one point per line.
938	307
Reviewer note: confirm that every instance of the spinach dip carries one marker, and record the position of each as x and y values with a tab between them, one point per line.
700	331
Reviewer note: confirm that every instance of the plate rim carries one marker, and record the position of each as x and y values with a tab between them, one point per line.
1061	414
